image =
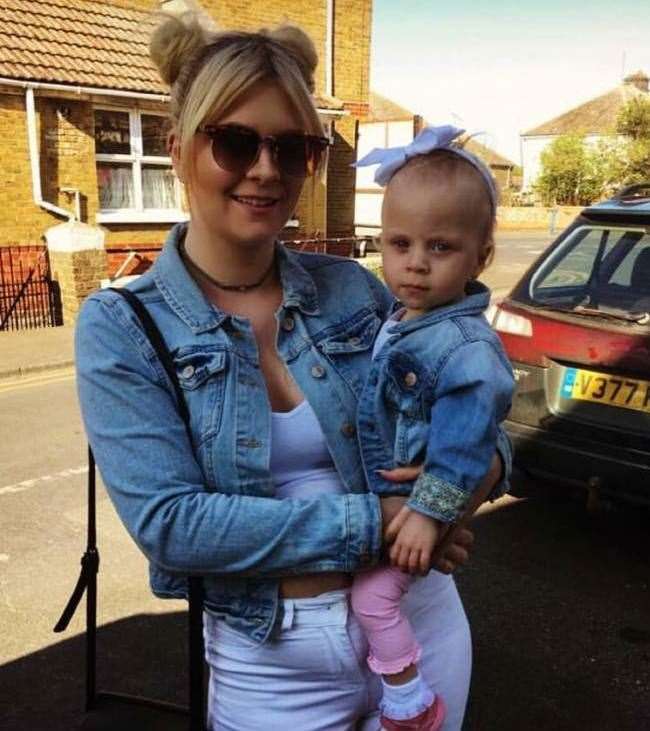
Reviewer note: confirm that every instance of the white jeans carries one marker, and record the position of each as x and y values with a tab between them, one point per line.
314	676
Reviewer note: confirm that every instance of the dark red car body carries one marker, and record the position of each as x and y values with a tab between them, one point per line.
577	330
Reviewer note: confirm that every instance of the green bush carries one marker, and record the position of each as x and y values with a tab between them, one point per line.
573	173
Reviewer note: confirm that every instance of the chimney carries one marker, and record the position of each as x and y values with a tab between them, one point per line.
639	79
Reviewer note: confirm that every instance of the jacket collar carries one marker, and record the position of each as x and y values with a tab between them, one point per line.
187	300
476	301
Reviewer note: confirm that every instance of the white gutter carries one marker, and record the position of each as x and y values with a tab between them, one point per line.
34	159
329	49
79	90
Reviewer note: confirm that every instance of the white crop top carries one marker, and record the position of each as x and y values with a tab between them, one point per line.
301	465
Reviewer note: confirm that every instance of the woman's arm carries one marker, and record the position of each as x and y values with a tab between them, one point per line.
157	485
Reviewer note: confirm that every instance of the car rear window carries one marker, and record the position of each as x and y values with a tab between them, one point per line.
605	268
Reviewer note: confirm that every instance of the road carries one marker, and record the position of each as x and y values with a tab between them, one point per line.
558	598
515	251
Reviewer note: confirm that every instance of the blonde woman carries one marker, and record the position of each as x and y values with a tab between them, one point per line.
268	502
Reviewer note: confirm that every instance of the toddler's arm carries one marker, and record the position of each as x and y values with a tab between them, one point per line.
472	396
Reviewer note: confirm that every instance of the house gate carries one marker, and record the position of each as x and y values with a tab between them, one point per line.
28	296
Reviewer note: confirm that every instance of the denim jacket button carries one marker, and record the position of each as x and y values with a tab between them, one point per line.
288	323
410	379
188	371
317	371
348	429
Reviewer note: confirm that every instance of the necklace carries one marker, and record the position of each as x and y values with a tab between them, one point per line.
228	287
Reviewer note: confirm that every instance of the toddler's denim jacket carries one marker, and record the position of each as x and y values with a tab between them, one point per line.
437	393
209	508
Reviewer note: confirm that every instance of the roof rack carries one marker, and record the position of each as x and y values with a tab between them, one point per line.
633	194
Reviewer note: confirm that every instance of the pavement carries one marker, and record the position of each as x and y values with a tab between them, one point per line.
26	352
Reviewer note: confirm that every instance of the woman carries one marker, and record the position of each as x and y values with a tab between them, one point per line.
269	501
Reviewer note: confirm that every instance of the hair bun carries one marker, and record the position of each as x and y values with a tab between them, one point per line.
176	40
301	47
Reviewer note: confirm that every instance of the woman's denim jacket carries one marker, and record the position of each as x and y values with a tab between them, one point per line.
208	508
436	394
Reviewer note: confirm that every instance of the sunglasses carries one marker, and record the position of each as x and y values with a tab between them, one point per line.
236	149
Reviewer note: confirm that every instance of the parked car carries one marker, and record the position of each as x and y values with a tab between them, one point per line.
577	330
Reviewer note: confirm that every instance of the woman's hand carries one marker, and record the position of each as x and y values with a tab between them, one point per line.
390	508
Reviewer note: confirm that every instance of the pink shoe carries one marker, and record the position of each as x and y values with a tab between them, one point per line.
429	720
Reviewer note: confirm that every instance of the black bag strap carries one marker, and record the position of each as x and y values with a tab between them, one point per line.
87	581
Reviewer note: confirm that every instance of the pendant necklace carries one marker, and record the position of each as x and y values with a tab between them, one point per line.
228	287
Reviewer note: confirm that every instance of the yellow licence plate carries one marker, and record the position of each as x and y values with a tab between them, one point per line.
629	393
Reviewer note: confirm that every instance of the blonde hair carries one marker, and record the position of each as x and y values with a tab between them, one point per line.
459	174
209	72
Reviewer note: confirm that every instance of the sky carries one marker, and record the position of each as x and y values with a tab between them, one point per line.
502	67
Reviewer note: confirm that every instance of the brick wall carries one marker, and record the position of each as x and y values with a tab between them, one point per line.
352	26
22	222
67	154
341	179
78	274
143	259
251	15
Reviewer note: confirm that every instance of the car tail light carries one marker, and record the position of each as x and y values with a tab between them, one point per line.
504	321
516	331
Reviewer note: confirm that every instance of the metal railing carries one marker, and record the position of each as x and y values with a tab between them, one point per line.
358	245
28	297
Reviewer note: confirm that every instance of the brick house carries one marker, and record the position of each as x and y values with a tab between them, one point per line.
82	124
595	119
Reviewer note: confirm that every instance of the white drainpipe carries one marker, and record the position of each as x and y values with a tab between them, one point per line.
34	159
329	49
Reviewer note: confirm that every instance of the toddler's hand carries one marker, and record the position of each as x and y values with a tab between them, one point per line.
413	547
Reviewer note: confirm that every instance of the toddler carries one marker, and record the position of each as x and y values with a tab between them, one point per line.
438	389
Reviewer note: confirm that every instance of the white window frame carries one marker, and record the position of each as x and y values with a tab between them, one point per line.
138	214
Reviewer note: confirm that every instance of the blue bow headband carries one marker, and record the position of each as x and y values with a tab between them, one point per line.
391	159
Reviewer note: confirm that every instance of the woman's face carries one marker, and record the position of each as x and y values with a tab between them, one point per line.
250	207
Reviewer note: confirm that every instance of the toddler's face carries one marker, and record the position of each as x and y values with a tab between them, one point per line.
430	243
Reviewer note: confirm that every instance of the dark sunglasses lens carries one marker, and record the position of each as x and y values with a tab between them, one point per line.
234	150
299	154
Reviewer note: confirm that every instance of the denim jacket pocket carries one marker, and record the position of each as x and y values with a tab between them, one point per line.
201	373
405	386
355	336
347	347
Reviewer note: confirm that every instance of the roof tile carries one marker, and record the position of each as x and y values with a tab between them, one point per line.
83	42
597	116
78	42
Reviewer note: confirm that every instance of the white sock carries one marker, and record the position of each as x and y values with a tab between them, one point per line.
400	702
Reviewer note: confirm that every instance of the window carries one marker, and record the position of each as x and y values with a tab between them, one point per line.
135	178
604	268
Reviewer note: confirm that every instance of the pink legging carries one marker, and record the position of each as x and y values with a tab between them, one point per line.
376	602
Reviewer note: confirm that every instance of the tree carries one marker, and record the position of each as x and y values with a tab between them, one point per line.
634	119
573	173
634	122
